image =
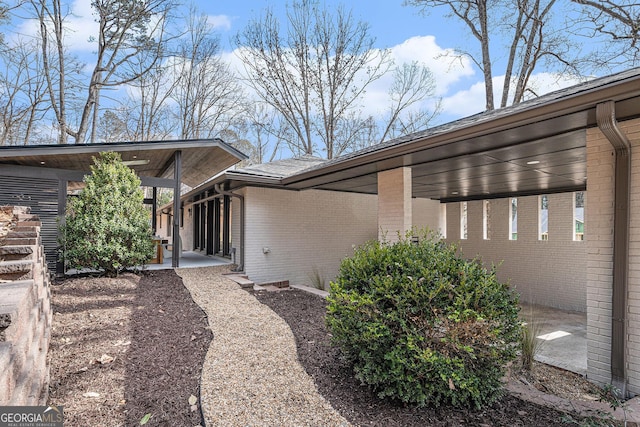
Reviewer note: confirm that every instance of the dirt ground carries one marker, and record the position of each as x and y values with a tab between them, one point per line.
127	349
304	313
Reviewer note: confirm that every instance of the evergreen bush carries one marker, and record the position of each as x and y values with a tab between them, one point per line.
107	227
422	325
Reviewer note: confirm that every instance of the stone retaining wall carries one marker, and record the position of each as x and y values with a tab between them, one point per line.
25	310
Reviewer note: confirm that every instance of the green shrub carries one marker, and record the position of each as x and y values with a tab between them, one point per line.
107	226
422	325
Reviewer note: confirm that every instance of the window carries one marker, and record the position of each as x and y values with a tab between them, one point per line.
486	220
463	220
578	216
543	217
513	218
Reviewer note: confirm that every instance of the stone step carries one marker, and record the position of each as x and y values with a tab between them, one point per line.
16	210
20	241
22	234
16	270
18	299
243	281
19	228
29	220
17	252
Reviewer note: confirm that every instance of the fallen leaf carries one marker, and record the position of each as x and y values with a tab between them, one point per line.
91	394
194	408
193	337
161	311
192	400
105	358
145	419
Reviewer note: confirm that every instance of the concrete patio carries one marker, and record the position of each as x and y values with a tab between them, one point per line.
191	259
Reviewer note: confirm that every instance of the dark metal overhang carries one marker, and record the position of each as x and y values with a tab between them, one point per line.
152	161
538	146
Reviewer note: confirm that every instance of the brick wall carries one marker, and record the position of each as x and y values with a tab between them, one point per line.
25	313
551	272
600	175
632	129
304	230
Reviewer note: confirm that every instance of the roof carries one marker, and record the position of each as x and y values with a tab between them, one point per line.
281	168
265	174
490	154
201	158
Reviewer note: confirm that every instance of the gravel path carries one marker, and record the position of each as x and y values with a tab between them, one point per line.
251	375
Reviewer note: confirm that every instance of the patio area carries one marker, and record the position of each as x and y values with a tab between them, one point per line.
563	336
191	259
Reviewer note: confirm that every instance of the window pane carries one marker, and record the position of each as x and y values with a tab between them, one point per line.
463	220
486	220
513	219
578	216
543	218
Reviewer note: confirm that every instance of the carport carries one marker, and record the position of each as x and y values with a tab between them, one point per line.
40	176
577	139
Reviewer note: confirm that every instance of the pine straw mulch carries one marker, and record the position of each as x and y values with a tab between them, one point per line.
125	347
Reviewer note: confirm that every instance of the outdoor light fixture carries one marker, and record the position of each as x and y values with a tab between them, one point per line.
136	162
533	162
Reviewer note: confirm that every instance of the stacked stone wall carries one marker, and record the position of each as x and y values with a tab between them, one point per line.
25	310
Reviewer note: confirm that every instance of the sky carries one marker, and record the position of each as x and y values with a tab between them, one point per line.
410	35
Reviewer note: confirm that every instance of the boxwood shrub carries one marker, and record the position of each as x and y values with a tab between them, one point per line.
423	325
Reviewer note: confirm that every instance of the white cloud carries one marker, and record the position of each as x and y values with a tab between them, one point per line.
447	70
447	67
219	22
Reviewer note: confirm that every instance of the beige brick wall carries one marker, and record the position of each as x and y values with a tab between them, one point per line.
394	203
599	218
632	129
551	273
304	230
427	214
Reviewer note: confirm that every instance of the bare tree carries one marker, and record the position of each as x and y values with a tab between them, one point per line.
619	22
527	24
126	28
412	83
315	76
22	84
207	94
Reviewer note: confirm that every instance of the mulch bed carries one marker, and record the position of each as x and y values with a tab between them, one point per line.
125	347
304	312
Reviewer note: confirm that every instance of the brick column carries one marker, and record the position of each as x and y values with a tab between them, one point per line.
394	203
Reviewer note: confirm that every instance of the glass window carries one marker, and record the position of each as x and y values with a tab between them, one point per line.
513	218
543	217
486	220
463	220
578	216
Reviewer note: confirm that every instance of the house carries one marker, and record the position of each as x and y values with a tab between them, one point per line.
481	181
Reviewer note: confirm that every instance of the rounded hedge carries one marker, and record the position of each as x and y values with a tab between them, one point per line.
423	325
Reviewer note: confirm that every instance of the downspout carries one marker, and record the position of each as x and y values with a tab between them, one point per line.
606	118
242	221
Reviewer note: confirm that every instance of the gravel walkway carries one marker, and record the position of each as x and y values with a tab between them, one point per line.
251	375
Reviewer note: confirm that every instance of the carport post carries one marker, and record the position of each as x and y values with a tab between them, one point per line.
177	176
